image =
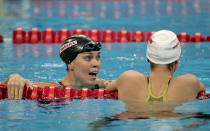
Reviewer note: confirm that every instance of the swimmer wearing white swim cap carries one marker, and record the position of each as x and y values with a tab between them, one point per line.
163	53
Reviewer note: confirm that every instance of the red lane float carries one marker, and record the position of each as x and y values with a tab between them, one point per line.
52	93
19	36
208	38
149	34
108	36
197	37
1	38
138	36
78	31
48	35
3	91
202	95
95	35
63	34
34	36
183	37
123	36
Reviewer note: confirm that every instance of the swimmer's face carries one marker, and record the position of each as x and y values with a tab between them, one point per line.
86	67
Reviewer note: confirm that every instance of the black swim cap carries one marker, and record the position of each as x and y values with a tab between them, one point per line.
76	44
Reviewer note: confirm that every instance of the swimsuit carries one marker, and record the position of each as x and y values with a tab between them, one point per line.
61	84
152	98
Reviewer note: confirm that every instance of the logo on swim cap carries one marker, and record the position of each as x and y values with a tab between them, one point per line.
65	46
177	44
76	44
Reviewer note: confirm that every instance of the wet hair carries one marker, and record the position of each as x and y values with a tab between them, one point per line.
76	44
170	66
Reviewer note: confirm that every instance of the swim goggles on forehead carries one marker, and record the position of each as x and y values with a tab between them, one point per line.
92	46
87	47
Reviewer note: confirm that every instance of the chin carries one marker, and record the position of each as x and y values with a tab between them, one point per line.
91	82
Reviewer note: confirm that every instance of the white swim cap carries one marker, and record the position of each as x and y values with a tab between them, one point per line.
163	47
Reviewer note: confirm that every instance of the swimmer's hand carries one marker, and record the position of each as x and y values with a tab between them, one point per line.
103	82
15	86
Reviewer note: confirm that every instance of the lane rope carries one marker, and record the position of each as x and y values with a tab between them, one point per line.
53	93
107	36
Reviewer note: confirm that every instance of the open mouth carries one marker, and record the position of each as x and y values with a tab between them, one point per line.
93	74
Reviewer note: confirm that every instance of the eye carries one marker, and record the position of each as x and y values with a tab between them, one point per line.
88	57
98	57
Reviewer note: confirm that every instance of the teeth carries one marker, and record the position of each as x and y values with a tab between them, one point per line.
93	73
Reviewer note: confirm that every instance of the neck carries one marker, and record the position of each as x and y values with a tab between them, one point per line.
161	70
70	80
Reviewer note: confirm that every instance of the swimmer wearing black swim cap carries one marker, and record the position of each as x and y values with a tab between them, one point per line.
76	44
82	57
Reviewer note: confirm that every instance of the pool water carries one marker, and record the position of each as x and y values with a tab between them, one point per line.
40	62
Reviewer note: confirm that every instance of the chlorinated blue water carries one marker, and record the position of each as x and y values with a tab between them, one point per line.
40	62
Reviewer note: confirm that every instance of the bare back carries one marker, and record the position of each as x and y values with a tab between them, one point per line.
133	86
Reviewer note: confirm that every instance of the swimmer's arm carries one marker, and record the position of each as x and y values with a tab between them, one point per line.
17	81
15	86
112	86
116	84
202	87
43	84
201	94
122	80
197	84
102	82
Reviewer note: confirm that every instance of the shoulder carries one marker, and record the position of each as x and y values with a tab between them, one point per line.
131	75
188	82
187	86
188	78
129	78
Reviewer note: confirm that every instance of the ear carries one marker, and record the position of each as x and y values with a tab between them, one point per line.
177	62
176	65
71	66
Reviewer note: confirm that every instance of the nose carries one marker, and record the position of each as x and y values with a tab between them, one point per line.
96	63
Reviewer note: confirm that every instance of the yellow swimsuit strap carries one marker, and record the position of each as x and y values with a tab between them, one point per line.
161	98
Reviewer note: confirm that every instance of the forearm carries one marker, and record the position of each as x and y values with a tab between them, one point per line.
44	84
103	82
112	86
202	87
